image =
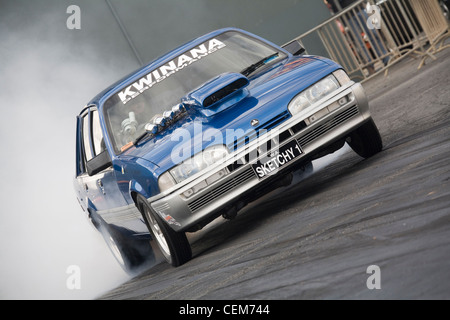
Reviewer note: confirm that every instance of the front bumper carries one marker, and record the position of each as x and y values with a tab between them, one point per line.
324	123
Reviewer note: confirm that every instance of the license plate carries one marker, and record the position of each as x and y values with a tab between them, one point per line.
278	158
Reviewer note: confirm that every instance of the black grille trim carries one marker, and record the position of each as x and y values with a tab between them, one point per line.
217	192
327	126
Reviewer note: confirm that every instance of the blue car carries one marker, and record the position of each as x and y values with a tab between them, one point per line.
204	130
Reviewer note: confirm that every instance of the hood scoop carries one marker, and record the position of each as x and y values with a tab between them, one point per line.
218	94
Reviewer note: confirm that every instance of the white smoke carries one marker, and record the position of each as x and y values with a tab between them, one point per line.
45	81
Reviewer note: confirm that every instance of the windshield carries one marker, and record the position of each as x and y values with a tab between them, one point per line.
129	110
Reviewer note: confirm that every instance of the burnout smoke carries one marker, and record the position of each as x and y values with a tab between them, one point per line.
46	77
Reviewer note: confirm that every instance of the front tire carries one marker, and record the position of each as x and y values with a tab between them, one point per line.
366	140
174	245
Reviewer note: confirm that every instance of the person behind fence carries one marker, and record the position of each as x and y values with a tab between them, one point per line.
358	24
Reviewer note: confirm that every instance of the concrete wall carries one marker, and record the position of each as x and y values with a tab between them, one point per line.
153	26
159	25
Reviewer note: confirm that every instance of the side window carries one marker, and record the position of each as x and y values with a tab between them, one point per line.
97	136
80	166
86	137
93	142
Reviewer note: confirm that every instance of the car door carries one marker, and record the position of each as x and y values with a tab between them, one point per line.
98	191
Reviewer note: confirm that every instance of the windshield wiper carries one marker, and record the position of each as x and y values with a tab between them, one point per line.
142	136
252	68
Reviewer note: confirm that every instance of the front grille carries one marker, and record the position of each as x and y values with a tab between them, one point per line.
327	126
220	190
248	173
265	127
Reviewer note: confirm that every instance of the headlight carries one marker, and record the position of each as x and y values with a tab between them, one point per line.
313	94
189	167
342	77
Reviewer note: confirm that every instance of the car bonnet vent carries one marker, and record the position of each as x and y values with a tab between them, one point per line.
225	92
217	89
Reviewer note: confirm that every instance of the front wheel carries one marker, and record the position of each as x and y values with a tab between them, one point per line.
366	140
174	245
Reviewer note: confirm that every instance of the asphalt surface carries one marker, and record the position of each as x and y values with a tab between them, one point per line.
316	239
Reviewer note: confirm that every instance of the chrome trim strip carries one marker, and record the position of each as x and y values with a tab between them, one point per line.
121	214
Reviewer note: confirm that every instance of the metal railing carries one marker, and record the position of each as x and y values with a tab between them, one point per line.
368	37
435	26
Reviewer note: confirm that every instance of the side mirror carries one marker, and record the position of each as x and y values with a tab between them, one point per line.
294	47
99	163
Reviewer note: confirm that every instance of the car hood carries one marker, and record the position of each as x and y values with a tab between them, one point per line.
265	103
